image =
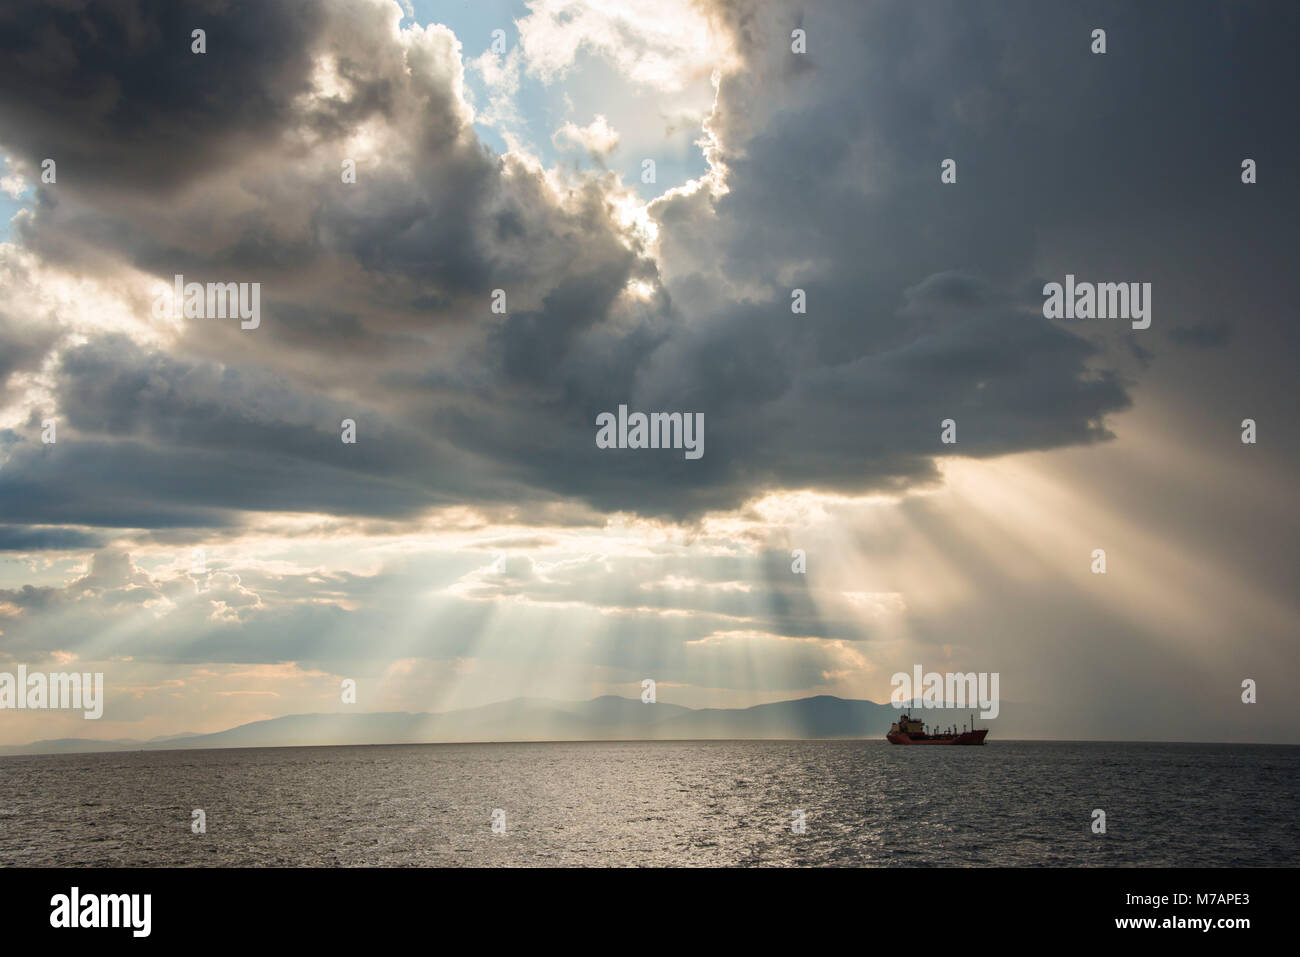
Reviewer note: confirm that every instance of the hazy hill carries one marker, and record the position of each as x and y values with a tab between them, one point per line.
534	719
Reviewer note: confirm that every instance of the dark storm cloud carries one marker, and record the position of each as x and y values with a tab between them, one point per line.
1204	334
377	295
948	290
18	538
24	345
149	441
111	90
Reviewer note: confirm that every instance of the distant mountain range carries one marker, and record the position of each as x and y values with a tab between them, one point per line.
538	719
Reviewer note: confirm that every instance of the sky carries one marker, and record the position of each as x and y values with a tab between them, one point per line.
199	532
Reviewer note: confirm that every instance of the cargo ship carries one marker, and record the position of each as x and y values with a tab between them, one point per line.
907	731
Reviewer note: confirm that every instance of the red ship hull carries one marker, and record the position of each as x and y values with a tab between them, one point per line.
966	737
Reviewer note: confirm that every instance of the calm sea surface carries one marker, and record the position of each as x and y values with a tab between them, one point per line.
661	803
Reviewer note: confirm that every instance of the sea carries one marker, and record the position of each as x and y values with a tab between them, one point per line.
633	804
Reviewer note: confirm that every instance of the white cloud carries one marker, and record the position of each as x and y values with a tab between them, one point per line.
666	44
597	137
